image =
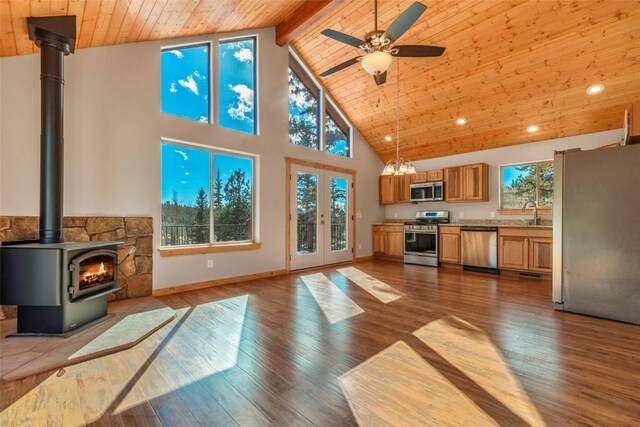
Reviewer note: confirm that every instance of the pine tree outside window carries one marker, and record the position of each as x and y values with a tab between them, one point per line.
526	181
192	178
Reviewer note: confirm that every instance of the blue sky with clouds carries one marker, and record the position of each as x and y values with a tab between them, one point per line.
236	88
186	169
185	82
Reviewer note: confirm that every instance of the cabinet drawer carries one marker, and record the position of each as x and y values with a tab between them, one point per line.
449	230
388	228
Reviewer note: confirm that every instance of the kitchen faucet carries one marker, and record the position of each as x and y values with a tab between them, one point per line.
535	210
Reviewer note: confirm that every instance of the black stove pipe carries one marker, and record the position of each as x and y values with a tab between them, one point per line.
55	36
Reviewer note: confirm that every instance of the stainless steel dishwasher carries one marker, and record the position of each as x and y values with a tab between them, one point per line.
480	248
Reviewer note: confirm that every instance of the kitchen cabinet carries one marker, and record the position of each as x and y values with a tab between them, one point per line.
402	191
435	175
388	240
387	190
394	189
449	245
453	184
468	183
540	254
419	177
525	249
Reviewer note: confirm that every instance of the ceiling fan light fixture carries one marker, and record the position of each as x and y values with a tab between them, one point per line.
595	89
376	62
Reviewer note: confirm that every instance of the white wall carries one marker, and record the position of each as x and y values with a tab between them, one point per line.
113	128
495	158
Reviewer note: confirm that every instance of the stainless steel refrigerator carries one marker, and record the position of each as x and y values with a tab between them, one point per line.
596	232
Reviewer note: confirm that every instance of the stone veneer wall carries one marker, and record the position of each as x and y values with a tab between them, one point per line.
134	275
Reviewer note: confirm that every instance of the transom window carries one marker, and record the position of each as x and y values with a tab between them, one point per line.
305	120
208	196
185	89
526	182
237	85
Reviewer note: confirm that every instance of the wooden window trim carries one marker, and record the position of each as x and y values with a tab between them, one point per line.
209	249
528	211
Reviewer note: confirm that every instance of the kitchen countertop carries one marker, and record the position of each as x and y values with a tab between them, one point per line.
510	223
497	225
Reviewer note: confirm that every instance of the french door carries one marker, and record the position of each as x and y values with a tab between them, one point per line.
321	211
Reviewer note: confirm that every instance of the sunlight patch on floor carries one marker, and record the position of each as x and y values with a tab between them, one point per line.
375	287
128	330
397	387
335	305
471	351
203	340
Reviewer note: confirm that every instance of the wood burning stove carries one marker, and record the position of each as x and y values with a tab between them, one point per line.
54	285
58	286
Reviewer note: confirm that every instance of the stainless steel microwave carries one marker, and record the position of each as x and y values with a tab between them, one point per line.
427	192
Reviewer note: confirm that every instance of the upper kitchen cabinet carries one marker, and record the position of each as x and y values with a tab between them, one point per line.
387	190
394	189
435	175
419	177
469	183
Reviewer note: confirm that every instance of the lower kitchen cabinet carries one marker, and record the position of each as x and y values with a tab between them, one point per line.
525	249
388	240
540	254
449	245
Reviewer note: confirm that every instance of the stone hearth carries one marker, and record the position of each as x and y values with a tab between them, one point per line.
134	275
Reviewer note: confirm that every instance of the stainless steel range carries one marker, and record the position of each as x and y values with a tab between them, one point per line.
421	237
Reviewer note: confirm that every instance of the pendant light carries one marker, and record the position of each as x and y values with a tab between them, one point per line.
398	166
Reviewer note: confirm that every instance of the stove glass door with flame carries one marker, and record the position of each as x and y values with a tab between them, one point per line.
93	271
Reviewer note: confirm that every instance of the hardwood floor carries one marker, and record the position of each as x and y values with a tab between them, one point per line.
265	353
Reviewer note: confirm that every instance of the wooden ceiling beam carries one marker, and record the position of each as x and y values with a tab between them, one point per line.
300	19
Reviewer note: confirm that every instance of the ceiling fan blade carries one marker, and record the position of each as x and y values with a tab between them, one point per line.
417	51
343	38
380	78
405	21
341	66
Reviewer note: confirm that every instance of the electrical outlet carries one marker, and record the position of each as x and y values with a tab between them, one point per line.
395	214
358	215
209	263
492	214
461	214
359	246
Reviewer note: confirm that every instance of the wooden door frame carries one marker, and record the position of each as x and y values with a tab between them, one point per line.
287	177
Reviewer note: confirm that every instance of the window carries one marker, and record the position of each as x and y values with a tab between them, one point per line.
305	118
191	178
336	132
237	61
528	181
185	82
304	107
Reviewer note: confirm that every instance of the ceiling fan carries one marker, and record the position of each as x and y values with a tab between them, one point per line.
378	52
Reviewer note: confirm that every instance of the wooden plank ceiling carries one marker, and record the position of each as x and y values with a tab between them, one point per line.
508	63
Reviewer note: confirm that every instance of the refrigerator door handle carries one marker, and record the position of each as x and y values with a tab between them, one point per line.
558	172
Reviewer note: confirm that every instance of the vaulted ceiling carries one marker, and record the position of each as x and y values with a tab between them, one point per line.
508	63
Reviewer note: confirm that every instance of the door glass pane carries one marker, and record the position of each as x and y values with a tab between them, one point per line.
307	194
338	214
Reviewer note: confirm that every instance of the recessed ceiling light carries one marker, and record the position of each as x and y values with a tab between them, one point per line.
595	89
388	138
533	128
461	121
